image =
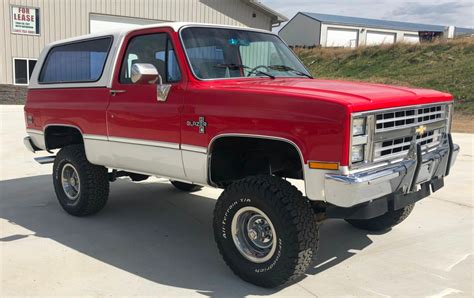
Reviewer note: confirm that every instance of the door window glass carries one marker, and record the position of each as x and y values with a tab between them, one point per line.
155	49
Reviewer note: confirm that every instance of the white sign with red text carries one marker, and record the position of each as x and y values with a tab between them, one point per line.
25	20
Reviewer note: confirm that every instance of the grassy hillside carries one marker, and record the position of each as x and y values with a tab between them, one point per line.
446	66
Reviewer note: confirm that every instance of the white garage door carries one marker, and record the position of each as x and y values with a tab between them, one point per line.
411	38
376	38
105	22
342	38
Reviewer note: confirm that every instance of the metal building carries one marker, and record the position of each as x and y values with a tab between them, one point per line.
26	26
315	29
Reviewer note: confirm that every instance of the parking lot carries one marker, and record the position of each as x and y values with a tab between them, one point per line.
154	240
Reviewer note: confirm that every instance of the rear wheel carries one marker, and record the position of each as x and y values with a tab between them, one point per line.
81	187
383	222
265	230
188	187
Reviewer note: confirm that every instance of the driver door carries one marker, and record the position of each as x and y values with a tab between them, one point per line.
144	133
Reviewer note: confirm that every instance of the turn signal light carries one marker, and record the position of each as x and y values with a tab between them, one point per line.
323	165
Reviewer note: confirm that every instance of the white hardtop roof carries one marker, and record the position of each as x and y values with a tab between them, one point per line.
174	25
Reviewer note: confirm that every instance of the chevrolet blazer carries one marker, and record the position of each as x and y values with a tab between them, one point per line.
234	108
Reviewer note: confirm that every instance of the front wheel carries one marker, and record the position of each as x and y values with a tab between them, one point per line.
383	222
265	230
81	187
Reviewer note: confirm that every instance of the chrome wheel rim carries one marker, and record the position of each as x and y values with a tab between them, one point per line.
254	234
70	181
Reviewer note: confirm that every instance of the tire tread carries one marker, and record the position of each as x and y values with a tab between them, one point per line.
383	222
94	181
299	218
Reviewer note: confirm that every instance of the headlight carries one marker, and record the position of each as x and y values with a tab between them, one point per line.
358	127
357	153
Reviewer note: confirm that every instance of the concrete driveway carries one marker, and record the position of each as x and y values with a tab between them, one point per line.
154	240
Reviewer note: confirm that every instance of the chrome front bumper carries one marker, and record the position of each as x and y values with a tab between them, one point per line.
404	177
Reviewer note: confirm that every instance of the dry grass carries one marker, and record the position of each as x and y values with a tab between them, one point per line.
443	65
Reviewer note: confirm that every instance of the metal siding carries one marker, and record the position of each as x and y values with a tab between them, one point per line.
2	37
301	31
372	23
61	19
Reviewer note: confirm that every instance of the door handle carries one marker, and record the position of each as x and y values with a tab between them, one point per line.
115	92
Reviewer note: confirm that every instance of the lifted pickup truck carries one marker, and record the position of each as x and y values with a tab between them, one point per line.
234	108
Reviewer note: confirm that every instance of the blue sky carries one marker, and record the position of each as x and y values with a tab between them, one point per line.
439	12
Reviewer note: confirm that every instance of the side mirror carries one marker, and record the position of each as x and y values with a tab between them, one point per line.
146	73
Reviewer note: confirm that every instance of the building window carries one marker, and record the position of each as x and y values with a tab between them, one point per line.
22	70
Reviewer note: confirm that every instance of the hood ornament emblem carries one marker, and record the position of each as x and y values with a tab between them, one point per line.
420	130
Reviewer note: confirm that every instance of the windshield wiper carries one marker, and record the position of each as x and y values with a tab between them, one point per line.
287	68
234	66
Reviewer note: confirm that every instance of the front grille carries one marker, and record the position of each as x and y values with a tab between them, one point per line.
398	147
409	117
389	134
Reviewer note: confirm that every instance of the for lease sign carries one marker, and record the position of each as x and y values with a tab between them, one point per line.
25	20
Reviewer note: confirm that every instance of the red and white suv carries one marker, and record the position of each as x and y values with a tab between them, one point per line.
234	108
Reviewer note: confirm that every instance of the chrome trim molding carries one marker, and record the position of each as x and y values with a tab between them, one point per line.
371	112
144	142
193	148
94	137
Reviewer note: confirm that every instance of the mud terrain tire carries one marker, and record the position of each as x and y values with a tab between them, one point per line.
93	190
383	222
291	217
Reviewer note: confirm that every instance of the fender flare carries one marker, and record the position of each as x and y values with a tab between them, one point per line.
250	136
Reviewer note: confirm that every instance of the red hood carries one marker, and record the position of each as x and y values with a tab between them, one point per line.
356	95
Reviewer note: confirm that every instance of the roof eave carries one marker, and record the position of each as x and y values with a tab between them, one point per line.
276	16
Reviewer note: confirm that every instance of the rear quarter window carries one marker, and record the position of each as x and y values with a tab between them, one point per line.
77	62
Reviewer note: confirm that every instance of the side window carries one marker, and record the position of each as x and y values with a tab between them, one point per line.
155	49
76	62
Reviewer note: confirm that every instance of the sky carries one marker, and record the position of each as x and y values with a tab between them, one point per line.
438	12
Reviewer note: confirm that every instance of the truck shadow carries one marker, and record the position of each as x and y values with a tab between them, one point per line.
155	232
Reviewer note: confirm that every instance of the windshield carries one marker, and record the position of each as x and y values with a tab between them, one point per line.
216	53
